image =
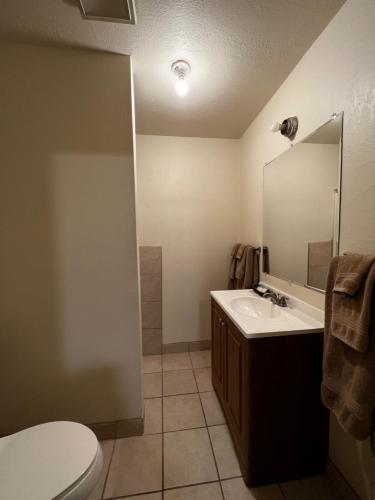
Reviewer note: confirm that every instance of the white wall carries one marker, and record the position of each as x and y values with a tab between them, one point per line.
69	305
336	74
188	202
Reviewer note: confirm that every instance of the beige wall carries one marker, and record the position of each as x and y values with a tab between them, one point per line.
69	305
188	193
336	74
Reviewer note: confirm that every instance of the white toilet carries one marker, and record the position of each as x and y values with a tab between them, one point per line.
53	461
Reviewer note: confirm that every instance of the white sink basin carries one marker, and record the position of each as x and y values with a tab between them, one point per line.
259	317
255	308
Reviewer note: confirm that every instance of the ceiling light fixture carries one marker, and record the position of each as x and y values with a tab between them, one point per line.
181	68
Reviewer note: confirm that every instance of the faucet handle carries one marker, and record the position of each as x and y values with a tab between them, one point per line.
283	302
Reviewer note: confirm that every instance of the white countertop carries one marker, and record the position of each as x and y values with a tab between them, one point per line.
257	317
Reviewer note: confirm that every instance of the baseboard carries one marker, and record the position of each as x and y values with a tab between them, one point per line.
198	345
108	430
118	428
340	483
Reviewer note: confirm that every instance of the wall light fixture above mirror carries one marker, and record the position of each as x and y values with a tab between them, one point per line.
301	212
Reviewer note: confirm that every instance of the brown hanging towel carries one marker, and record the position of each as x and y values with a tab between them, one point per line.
349	344
244	268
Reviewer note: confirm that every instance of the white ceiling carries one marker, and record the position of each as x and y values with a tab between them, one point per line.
240	52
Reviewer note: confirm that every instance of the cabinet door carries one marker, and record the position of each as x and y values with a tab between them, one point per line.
218	351
235	378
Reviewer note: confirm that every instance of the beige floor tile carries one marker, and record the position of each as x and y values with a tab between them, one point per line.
153	416
203	376
136	466
149	496
225	455
236	489
200	359
212	408
188	458
312	488
152	364
107	449
182	412
179	382
176	361
152	385
211	491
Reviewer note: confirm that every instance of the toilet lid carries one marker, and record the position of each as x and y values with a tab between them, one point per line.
41	462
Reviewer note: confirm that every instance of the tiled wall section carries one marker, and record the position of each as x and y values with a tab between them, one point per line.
151	293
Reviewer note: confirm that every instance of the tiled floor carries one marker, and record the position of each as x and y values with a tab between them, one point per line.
186	452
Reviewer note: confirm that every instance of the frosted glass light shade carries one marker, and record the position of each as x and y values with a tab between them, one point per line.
182	88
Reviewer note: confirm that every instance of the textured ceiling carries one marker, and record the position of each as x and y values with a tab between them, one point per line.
240	52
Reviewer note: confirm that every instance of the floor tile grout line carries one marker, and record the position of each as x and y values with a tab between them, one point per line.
163	432
209	437
162	428
189	485
217	467
189	429
178	370
172	488
134	495
282	492
206	426
219	479
109	467
180	394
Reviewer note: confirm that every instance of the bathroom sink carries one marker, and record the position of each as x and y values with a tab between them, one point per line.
255	316
254	307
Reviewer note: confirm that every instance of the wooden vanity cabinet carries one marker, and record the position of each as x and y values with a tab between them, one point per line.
269	389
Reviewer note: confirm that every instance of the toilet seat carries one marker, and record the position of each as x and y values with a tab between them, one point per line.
46	461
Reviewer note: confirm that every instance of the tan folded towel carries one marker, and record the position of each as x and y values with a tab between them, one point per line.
233	255
352	268
348	386
351	306
244	267
241	263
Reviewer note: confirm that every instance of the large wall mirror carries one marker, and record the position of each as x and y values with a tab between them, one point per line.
302	207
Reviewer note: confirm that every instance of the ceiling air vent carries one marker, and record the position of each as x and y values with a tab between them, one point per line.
118	11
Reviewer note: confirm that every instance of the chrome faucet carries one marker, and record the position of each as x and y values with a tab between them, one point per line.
276	298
